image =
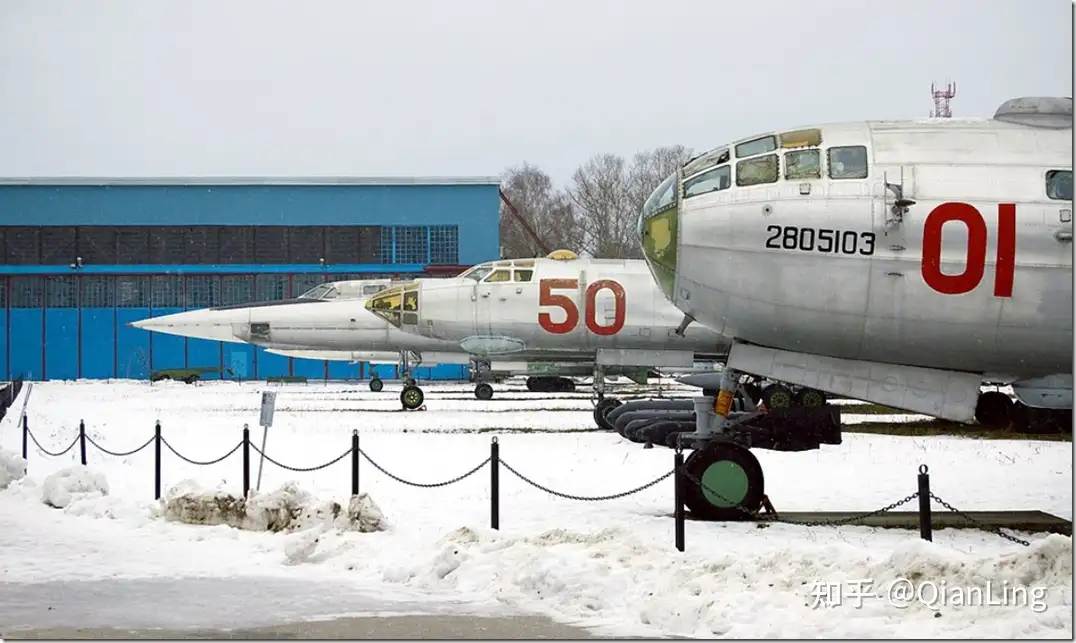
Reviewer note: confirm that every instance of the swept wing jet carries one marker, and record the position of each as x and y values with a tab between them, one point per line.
604	313
906	263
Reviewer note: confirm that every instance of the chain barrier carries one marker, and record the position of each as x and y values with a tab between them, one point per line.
301	469
199	463
965	516
116	453
50	453
424	485
569	496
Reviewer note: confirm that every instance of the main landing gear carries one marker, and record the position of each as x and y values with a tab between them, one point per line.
604	404
724	478
996	410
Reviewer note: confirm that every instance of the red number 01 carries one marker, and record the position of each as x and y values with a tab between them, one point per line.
546	297
975	266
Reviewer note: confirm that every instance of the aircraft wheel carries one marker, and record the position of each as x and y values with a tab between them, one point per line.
533	385
733	481
601	409
483	391
810	398
777	396
411	382
376	385
563	385
412	397
993	409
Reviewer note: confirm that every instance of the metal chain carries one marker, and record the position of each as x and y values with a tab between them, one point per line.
421	484
804	523
117	454
996	530
196	462
302	469
50	453
588	498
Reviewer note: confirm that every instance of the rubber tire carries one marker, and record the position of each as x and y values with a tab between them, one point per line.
412	397
994	410
601	409
779	393
376	385
483	391
411	382
809	397
699	461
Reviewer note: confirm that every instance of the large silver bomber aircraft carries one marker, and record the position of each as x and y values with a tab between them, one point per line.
907	263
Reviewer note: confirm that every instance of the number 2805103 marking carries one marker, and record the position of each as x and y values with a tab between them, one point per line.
848	242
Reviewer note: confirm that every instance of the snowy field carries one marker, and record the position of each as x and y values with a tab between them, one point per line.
608	565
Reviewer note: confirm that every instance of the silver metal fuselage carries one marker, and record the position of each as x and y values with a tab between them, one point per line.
873	300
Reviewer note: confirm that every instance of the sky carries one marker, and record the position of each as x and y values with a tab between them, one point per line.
472	87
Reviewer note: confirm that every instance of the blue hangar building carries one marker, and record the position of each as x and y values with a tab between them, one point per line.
83	257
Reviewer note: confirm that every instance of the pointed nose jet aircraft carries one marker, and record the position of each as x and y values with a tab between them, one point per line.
906	263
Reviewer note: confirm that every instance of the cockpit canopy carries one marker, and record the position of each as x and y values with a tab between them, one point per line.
515	270
354	289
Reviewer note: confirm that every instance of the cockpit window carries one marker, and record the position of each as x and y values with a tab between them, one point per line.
369	290
719	178
663	195
477	272
523	275
499	275
1059	185
706	161
321	291
396	305
849	162
754	171
803	164
757	146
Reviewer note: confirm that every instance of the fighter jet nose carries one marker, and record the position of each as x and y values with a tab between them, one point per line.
194	324
657	229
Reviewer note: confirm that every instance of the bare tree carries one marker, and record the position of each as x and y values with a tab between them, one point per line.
608	195
547	209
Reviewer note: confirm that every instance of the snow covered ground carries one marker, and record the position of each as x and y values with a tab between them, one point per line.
610	565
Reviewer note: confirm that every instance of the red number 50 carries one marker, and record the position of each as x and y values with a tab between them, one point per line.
975	266
546	297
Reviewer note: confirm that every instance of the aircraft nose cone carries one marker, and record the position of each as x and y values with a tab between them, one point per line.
194	324
658	234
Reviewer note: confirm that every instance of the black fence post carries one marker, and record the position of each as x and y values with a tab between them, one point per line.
157	461
925	527
25	437
82	440
678	490
495	484
246	460
355	462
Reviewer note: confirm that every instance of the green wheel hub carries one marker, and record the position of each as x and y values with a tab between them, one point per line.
412	396
728	479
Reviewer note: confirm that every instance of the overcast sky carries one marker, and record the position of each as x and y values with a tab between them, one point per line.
469	87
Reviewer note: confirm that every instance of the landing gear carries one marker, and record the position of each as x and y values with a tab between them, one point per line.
376	384
412	397
483	391
601	411
550	384
994	410
777	396
732	485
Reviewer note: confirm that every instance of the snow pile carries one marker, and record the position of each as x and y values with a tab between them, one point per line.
73	484
288	509
12	468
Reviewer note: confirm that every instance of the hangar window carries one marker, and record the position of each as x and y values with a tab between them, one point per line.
97	292
97	244
236	289
412	244
23	246
306	244
758	170
132	245
3	292
757	146
388	244
1059	185
27	292
270	287
58	247
61	292
803	164
444	245
369	245
132	292
201	245
166	245
719	178
201	291
166	292
270	244
848	162
236	244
